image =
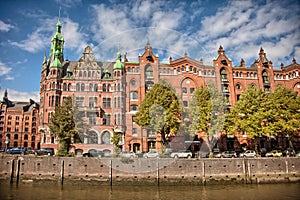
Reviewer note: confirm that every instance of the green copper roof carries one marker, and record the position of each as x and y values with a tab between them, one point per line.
56	62
118	64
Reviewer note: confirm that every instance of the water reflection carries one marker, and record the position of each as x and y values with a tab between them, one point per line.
213	192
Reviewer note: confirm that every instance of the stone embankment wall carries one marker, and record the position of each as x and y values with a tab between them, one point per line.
116	171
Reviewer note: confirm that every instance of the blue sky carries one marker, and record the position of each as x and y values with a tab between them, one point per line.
172	27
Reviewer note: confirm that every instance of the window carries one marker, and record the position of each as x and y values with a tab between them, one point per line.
82	87
150	133
77	87
265	77
90	87
79	101
64	87
238	86
104	87
134	132
106	102
106	119
192	90
133	82
105	138
133	108
223	75
184	90
92	116
149	72
69	87
16	136
92	137
133	95
148	85
185	104
96	87
92	102
25	137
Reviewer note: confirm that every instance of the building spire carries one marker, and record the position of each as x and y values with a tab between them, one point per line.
58	25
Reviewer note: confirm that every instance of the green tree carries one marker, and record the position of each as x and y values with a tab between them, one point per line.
160	111
249	114
62	125
285	116
207	110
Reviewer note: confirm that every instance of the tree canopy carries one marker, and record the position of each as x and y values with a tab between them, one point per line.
62	125
207	110
160	111
259	113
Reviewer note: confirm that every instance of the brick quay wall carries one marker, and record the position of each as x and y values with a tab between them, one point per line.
142	171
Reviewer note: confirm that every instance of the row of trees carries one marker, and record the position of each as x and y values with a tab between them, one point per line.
256	113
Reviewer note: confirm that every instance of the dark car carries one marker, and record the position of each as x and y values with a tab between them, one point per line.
229	154
16	150
44	151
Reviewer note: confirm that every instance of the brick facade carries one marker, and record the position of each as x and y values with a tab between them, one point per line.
110	95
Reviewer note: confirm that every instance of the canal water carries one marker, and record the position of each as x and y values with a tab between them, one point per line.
211	192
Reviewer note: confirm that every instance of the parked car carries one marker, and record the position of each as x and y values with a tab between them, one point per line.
125	154
229	154
94	153
203	154
151	154
16	150
263	152
274	153
181	154
29	150
248	154
44	151
288	152
216	153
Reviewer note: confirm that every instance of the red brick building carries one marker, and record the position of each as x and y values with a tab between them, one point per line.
19	124
109	93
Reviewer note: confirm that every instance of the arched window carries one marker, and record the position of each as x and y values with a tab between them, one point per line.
223	74
133	95
25	137
89	74
92	137
104	87
69	87
16	136
82	86
96	87
265	77
149	72
108	87
64	87
105	137
77	87
90	87
80	73
238	86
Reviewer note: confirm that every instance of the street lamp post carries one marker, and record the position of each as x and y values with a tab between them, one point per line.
6	143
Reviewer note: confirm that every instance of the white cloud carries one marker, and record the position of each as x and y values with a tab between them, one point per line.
40	38
134	25
5	27
74	37
15	95
242	27
4	70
